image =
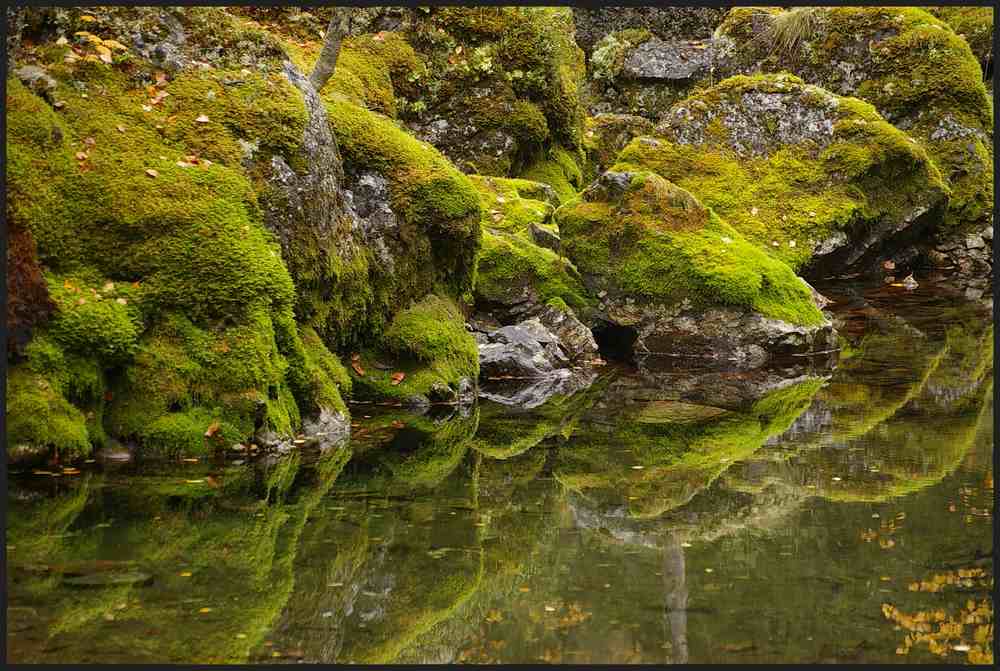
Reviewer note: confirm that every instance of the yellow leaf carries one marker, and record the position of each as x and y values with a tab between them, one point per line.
204	610
88	18
115	44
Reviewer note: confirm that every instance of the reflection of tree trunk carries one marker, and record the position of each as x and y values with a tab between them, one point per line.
675	598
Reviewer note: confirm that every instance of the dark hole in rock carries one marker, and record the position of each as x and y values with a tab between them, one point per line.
615	343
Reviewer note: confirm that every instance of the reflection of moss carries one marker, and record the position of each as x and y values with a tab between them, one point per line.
240	562
423	454
675	459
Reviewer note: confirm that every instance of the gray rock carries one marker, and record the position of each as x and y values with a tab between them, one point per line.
672	61
328	429
663	22
525	350
575	339
973	241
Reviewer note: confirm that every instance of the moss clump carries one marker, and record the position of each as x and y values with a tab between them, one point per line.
919	75
638	235
560	170
511	266
974	24
427	192
607	134
38	415
428	343
609	54
782	187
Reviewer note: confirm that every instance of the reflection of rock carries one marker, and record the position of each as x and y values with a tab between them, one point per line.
533	393
647	458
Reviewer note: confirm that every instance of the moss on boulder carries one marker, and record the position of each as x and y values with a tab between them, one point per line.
816	179
514	271
429	345
918	74
652	253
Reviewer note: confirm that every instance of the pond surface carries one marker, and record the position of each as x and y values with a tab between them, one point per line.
804	514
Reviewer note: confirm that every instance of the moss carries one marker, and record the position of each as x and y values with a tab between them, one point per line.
427	191
974	24
610	53
429	344
94	322
558	169
655	242
918	73
39	415
795	195
186	379
424	452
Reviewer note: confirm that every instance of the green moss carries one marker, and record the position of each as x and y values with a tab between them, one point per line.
39	415
794	195
918	73
558	169
610	53
429	344
974	24
657	243
427	191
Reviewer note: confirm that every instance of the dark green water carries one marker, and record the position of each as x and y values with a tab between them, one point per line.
845	516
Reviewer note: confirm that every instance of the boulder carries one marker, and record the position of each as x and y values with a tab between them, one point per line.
683	280
916	72
524	350
666	23
820	181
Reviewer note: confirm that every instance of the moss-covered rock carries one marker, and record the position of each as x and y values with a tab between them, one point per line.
684	280
819	181
499	84
607	135
560	169
143	202
919	75
974	24
429	345
633	72
515	273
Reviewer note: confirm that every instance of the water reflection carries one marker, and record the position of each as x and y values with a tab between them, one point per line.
801	514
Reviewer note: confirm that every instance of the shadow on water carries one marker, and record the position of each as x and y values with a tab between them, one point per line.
808	512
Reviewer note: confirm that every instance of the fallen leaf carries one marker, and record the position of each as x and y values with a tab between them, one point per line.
396	424
355	357
81	156
185	574
204	610
152	173
398	377
103	53
202	119
161	78
358	369
62	41
212	429
115	44
121	128
87	18
59	104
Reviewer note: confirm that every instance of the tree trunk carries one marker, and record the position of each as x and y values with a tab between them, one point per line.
340	24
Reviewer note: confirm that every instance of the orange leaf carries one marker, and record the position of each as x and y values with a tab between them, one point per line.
213	428
355	357
398	377
81	156
358	369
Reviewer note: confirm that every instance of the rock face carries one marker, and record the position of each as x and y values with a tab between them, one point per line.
523	350
682	279
919	75
819	181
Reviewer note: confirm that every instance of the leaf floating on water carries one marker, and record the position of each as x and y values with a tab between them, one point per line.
194	482
398	377
185	574
204	610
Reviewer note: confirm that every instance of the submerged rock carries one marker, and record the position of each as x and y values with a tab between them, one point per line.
682	279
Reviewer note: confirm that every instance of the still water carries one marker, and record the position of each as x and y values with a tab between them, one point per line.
805	514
